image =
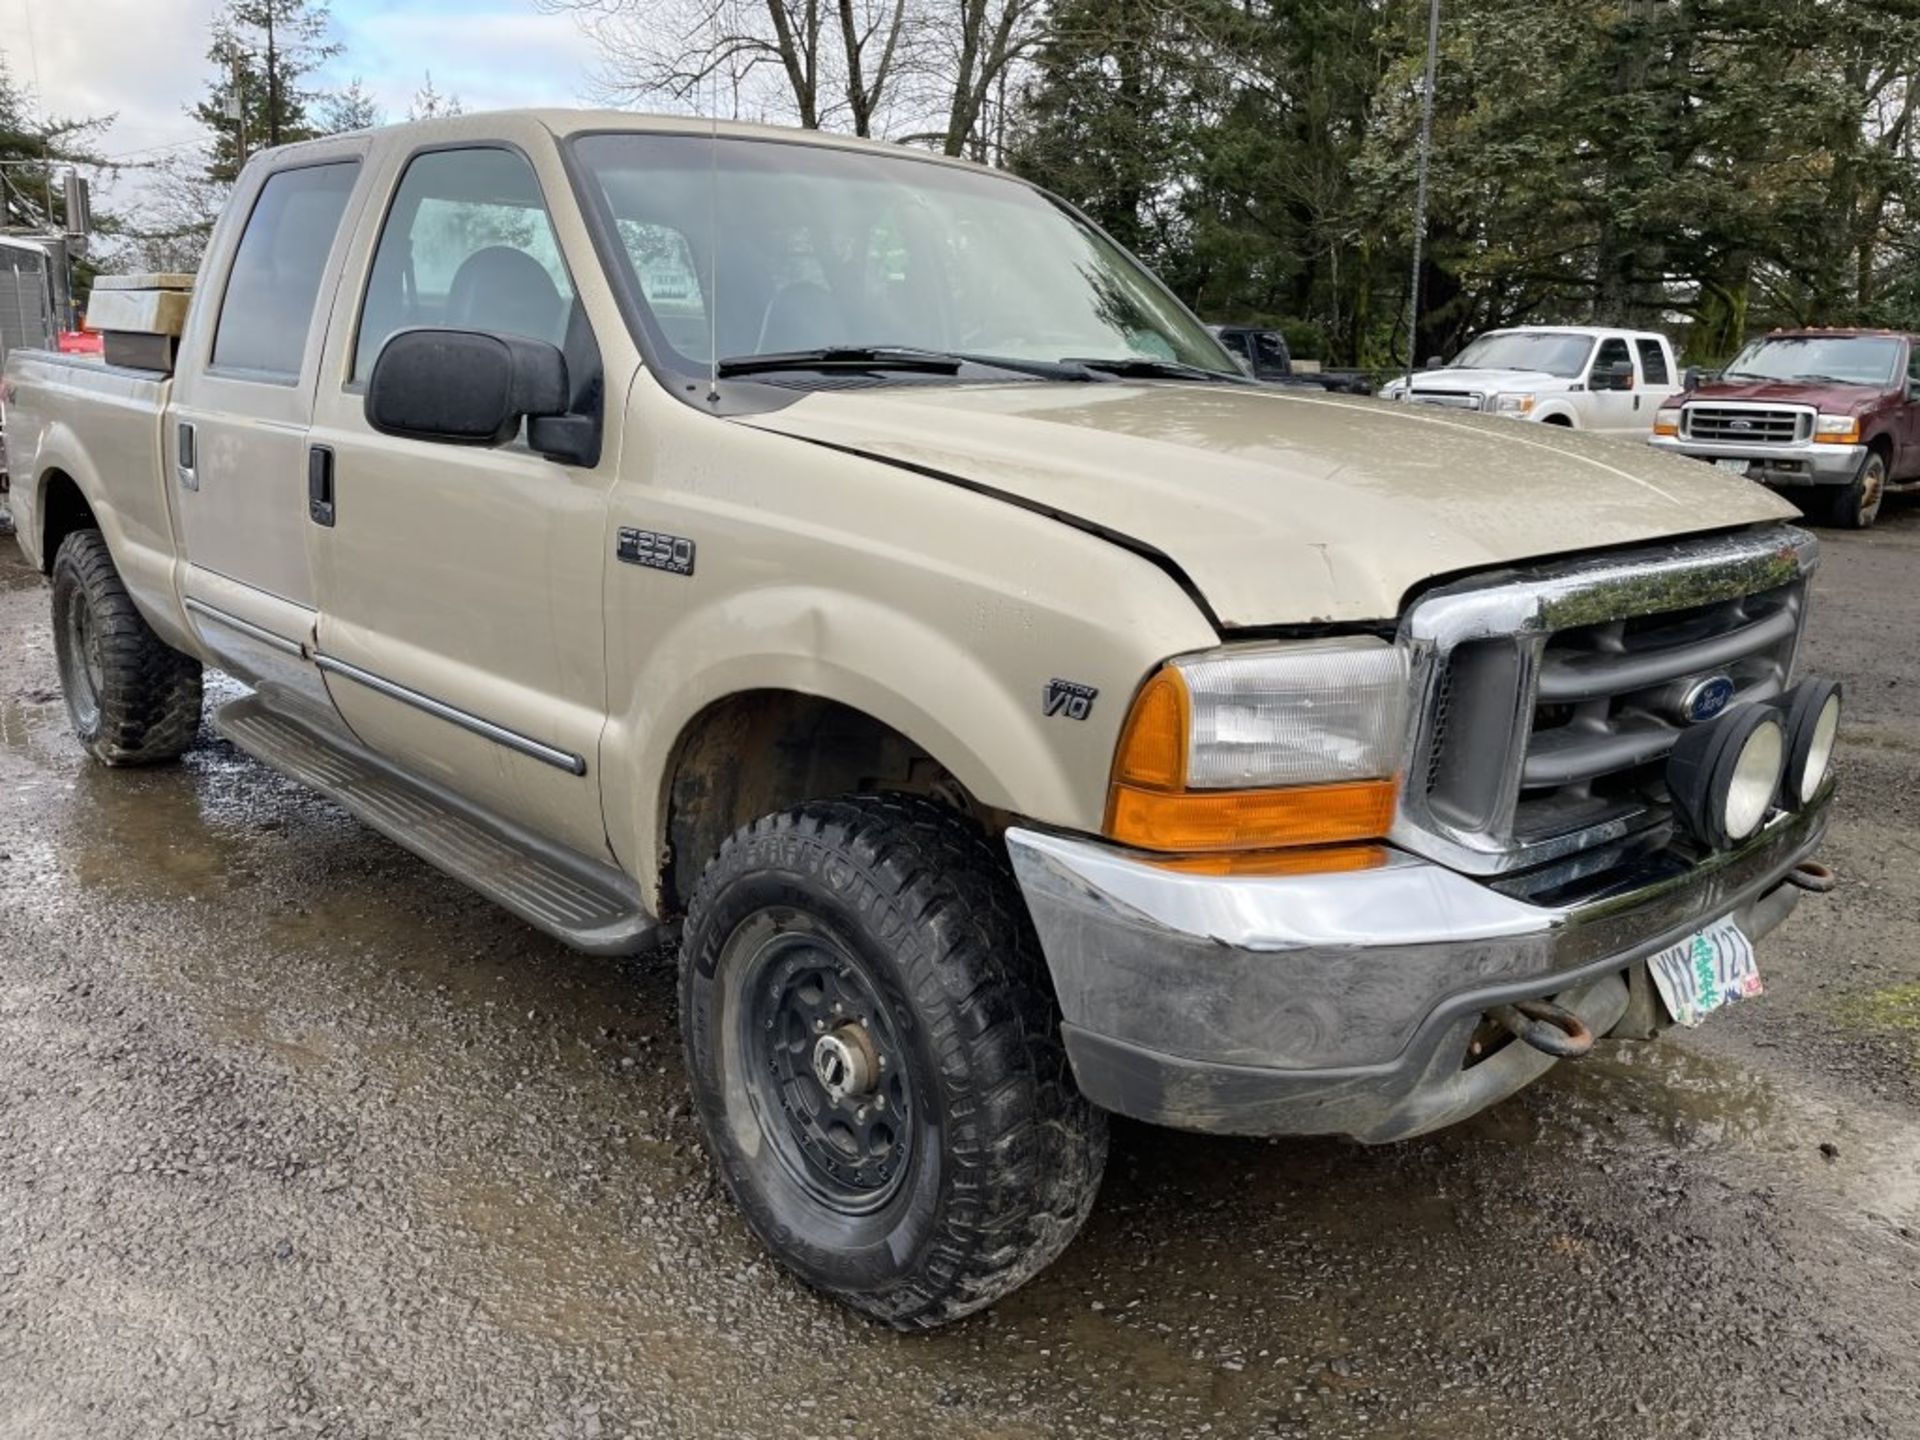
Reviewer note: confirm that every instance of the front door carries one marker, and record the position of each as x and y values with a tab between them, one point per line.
460	588
1611	404
236	430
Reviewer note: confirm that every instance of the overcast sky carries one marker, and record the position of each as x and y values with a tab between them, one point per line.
144	61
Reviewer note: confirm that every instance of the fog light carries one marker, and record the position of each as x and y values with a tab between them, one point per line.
1812	709
1723	776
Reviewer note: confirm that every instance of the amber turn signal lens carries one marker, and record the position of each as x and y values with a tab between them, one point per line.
1849	436
1153	747
1309	860
1188	821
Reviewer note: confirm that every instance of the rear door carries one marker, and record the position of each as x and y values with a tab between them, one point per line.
1907	462
1657	378
235	434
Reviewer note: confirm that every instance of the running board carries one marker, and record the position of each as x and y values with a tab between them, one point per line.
580	902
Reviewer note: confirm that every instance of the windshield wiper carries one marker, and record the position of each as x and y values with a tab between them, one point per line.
1141	367
851	357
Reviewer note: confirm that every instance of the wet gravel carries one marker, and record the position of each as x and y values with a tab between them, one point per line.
297	1137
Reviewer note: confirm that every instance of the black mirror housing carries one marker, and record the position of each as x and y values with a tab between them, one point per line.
1691	380
464	387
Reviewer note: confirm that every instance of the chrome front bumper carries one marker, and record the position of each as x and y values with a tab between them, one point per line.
1800	463
1346	1003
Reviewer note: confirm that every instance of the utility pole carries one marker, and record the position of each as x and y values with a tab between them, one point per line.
237	112
1420	189
273	82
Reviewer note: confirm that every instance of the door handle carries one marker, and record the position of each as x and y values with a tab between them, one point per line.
320	485
183	458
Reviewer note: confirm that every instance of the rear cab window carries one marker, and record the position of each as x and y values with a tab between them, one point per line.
1653	361
266	313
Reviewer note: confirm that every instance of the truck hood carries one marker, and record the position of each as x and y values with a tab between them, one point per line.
1284	507
1834	399
1447	378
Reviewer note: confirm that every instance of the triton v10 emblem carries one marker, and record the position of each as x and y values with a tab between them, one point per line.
1065	697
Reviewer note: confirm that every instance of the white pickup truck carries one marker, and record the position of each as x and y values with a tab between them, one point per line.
852	566
1582	377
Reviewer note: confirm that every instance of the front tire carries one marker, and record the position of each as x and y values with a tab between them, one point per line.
875	1059
1856	505
133	699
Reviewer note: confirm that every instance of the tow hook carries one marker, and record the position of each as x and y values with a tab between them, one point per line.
1551	1029
1812	875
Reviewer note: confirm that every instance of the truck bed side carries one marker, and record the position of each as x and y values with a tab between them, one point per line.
82	432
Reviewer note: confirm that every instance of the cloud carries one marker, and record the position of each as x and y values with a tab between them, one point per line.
145	61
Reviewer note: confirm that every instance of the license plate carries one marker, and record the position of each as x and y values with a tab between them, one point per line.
1739	465
1708	969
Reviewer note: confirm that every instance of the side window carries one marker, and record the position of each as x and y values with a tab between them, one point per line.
1612	360
268	307
1270	351
1913	364
1236	341
467	245
1653	362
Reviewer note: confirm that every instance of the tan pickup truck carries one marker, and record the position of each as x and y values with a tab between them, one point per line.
850	565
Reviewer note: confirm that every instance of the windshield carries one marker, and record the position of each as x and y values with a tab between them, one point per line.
740	248
1543	350
1842	359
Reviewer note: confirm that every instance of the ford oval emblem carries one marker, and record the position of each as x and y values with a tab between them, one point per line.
1706	698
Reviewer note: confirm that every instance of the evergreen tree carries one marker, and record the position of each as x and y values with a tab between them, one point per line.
263	52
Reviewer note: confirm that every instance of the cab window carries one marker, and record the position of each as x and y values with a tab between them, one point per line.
267	310
1608	361
466	246
1653	362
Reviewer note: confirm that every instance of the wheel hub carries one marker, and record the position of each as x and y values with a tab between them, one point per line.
844	1062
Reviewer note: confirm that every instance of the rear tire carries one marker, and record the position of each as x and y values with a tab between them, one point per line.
133	699
1856	505
875	1059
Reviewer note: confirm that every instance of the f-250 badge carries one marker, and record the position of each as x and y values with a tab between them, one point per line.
671	553
1065	697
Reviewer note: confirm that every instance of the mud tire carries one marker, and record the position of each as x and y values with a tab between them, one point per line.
132	698
1005	1154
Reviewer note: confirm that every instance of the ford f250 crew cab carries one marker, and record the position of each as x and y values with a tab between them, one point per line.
1831	417
850	566
1582	377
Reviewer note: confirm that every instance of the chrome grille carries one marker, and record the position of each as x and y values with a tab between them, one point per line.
1746	424
1550	697
1458	399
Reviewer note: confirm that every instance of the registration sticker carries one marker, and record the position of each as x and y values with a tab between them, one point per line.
1739	465
1709	969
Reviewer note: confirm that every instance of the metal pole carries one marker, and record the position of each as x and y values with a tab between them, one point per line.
1420	188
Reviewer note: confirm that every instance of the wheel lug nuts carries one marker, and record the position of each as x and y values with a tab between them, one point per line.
879	1102
818	1026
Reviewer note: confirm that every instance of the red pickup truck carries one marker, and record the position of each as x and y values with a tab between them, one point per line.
1830	416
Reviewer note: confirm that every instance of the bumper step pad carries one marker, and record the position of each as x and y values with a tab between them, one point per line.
584	904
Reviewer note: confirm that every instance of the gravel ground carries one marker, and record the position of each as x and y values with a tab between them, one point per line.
300	1138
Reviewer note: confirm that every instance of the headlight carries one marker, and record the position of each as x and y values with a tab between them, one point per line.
1393	390
1724	776
1813	723
1516	404
1836	429
1667	422
1286	744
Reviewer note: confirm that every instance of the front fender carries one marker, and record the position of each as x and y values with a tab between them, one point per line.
877	659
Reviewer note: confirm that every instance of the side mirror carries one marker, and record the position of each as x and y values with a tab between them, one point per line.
474	387
1690	381
1434	362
